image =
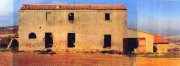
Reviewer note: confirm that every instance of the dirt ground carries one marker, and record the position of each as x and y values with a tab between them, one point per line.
81	59
143	61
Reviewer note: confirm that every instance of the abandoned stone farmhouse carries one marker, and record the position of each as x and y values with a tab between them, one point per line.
80	27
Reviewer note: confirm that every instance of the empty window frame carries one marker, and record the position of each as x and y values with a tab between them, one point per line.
70	16
107	16
32	36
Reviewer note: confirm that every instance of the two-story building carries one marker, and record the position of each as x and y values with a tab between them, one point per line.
92	27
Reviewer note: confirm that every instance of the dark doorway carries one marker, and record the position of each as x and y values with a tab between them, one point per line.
154	49
71	40
15	45
129	44
107	41
48	40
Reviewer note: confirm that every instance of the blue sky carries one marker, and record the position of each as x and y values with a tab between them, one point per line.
156	16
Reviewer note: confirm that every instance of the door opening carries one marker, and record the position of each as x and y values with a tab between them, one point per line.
155	49
48	40
71	40
15	45
107	41
129	44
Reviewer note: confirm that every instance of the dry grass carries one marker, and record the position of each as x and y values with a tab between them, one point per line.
6	35
144	61
6	59
81	59
69	59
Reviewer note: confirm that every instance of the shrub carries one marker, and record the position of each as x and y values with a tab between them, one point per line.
110	52
48	51
131	54
5	50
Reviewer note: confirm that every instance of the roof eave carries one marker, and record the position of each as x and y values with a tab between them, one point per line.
162	43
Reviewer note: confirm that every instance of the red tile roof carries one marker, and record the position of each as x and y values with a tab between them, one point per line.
71	7
160	40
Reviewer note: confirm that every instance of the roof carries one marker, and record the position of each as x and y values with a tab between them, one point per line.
160	40
71	7
157	38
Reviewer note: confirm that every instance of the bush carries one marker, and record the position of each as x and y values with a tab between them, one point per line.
5	50
107	51
164	55
110	52
169	55
48	51
131	54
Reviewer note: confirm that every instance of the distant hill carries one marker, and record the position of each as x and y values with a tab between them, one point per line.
174	39
8	30
5	35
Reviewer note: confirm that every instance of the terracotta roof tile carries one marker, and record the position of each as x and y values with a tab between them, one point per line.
71	7
160	40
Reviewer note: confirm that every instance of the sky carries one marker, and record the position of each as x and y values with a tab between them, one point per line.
156	16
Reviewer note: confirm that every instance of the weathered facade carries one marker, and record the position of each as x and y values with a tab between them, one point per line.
93	27
89	26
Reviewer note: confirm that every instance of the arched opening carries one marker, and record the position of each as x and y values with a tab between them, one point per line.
32	36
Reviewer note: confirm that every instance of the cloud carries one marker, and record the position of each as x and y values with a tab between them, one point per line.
6	7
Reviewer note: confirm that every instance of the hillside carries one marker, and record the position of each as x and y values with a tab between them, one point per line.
8	30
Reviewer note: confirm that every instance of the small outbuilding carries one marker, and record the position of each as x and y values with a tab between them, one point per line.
160	44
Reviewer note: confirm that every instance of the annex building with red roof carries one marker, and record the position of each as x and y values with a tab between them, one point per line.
161	44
